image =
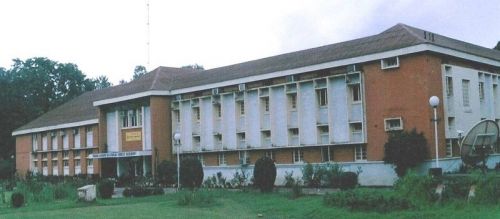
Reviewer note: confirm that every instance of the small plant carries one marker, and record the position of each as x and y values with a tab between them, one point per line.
240	178
367	200
198	198
264	174
348	180
420	190
488	190
17	199
289	180
296	189
127	192
191	173
106	188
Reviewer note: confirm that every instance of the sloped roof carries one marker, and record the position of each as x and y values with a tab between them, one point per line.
167	78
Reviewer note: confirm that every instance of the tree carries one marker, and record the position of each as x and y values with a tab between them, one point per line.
497	47
191	173
101	82
264	174
31	88
139	71
167	172
405	150
194	66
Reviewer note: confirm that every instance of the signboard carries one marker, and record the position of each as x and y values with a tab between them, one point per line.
133	136
120	154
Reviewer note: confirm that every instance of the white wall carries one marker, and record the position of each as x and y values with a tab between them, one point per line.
252	111
186	125
279	131
207	131
337	103
112	131
228	121
307	109
146	128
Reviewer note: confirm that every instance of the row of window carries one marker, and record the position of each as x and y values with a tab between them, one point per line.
131	118
90	163
466	90
297	155
76	154
54	137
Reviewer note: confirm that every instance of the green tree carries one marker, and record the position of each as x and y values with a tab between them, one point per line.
139	71
101	82
405	150
264	174
32	87
191	173
497	47
194	66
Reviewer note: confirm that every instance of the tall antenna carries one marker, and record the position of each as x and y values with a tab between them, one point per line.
148	36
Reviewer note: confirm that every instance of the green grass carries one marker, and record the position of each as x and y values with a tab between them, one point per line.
230	205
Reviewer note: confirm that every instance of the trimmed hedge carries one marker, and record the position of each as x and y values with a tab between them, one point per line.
367	200
264	174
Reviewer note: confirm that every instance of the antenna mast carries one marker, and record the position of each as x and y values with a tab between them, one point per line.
148	36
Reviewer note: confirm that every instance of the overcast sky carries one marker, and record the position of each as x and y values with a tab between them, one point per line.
109	37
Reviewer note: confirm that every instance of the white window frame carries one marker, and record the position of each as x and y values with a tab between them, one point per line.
360	153
244	157
90	162
34	142
449	86
329	154
292	101
221	159
481	91
356	89
131	118
387	124
384	63
466	93
449	147
269	154
322	97
201	159
298	155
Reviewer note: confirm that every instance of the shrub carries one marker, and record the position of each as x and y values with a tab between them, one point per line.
191	173
367	200
157	191
296	189
264	174
240	178
45	195
167	172
127	192
405	150
106	188
348	180
17	199
457	187
420	190
199	198
488	190
289	180
64	191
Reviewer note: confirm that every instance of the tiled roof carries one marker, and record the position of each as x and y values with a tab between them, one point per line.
166	78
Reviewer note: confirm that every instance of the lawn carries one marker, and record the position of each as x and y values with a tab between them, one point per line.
229	204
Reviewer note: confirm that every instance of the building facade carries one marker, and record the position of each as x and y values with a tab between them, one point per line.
335	103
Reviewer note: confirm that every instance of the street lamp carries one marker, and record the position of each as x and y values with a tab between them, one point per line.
434	102
177	138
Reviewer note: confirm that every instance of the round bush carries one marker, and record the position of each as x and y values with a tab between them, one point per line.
264	174
106	188
191	173
167	172
17	199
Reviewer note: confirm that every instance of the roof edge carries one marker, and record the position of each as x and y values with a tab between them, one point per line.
59	126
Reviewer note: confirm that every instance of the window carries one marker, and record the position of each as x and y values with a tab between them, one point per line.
360	152
65	140
90	162
65	163
393	124
325	154
449	147
222	159
34	142
77	153
323	134
90	136
77	163
241	105
45	141
44	156
356	93
177	116
298	156
54	155
131	118
292	101
356	127
265	103
451	123
54	164
244	157
241	140
218	140
53	141
449	86
218	111
269	154
44	163
465	93
481	91
66	154
392	62
196	113
200	158
89	152
322	97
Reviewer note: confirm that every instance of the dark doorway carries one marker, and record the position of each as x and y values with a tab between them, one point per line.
108	167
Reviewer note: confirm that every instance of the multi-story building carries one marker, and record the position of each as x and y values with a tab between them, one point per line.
335	103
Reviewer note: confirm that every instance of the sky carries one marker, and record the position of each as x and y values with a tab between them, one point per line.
110	37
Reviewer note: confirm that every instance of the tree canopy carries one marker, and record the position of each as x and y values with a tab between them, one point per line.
34	86
405	150
194	66
497	47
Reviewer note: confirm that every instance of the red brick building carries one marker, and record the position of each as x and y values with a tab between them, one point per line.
335	103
